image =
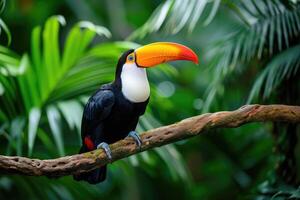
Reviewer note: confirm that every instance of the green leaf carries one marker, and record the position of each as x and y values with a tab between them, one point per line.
100	30
272	29
172	158
9	63
34	119
54	120
47	142
154	22
2	89
268	30
213	12
72	112
51	53
280	67
2	5
6	30
24	81
174	15
16	131
198	11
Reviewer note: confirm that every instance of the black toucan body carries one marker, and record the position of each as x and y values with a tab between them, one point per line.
113	111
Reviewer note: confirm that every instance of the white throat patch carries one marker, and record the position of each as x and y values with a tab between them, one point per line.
135	85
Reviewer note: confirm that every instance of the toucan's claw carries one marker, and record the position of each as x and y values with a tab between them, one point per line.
105	147
136	138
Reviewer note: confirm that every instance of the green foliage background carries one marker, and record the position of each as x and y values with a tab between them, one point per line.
54	54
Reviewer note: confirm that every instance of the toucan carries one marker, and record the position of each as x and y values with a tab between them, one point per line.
113	111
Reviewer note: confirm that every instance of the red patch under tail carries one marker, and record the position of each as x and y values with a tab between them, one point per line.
89	143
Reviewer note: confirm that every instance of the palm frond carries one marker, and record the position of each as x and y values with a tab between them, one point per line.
54	119
2	5
10	66
174	15
35	80
273	27
53	67
16	133
2	23
49	67
10	63
282	66
270	29
34	119
4	27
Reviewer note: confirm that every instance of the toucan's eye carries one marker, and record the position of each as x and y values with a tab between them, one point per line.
130	58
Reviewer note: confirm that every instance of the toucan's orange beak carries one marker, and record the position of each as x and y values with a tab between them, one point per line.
160	52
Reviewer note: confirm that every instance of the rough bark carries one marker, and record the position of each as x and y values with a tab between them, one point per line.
153	138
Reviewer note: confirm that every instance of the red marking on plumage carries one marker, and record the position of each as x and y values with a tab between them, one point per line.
89	143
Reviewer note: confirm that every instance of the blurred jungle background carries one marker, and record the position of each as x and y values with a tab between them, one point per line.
54	54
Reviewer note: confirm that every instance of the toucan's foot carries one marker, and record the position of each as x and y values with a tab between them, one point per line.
136	138
105	147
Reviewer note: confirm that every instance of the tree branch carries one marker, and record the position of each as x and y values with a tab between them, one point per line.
154	138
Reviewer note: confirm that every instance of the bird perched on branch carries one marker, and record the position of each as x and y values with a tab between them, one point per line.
113	111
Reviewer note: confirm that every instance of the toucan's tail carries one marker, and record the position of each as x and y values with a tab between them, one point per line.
93	177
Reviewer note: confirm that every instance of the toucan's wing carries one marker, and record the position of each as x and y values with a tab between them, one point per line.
96	110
